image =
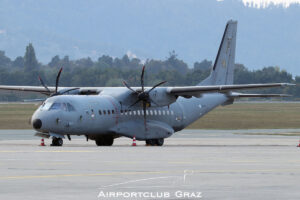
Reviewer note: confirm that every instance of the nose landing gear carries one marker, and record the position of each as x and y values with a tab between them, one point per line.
57	141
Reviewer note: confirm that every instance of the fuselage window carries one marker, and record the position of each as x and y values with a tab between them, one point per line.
147	112
155	113
121	111
138	112
104	112
100	113
159	112
168	112
134	112
163	112
112	111
150	112
172	112
108	112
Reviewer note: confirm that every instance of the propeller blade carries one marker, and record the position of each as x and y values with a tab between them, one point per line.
134	103
156	86
45	86
57	79
69	90
142	78
144	109
124	83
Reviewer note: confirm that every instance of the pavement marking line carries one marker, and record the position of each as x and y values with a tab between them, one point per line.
65	151
50	151
79	175
11	151
144	173
247	171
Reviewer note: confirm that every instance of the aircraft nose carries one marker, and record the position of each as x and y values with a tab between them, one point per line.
37	124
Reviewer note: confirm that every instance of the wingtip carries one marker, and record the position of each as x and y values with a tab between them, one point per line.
288	84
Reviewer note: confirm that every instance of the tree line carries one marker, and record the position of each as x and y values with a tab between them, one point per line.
109	71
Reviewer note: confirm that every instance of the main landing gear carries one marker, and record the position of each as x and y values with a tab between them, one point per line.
57	141
155	142
105	140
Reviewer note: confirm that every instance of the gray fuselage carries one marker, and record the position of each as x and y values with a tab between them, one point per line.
100	114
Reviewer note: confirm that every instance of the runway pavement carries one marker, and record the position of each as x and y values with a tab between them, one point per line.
210	164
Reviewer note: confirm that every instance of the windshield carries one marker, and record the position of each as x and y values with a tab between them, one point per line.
46	106
58	106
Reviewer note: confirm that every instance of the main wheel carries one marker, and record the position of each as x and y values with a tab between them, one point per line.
151	142
106	140
160	141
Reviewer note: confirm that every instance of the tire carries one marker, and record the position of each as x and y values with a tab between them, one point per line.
151	142
57	142
99	142
60	142
160	141
106	140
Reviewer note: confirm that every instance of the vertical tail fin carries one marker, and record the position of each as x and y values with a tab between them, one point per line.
223	69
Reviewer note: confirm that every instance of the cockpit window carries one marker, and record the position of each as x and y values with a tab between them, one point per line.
62	106
46	106
55	106
58	106
70	107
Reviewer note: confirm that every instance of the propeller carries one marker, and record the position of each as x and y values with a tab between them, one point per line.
143	95
49	93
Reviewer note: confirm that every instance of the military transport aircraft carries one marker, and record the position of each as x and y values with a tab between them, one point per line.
151	114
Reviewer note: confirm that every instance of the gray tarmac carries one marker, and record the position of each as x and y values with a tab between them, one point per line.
240	164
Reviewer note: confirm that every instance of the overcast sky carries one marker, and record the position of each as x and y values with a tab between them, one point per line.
268	31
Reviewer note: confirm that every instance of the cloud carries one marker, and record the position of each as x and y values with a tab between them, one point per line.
130	54
266	3
2	31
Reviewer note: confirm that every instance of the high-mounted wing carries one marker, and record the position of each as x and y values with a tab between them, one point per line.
198	90
52	91
81	90
27	88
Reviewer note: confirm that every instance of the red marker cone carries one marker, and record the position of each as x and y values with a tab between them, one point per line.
133	141
298	144
42	142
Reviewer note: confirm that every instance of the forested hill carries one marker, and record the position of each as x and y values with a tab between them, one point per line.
109	71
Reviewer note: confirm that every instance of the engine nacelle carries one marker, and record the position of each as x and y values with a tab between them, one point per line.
161	97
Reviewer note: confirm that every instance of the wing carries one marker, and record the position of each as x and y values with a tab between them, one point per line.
198	90
26	88
40	89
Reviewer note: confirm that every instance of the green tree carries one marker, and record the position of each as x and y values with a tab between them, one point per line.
30	61
54	61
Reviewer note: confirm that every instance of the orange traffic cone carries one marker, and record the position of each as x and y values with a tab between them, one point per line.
298	144
42	142
133	141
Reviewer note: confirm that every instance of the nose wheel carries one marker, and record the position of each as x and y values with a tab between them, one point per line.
57	141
